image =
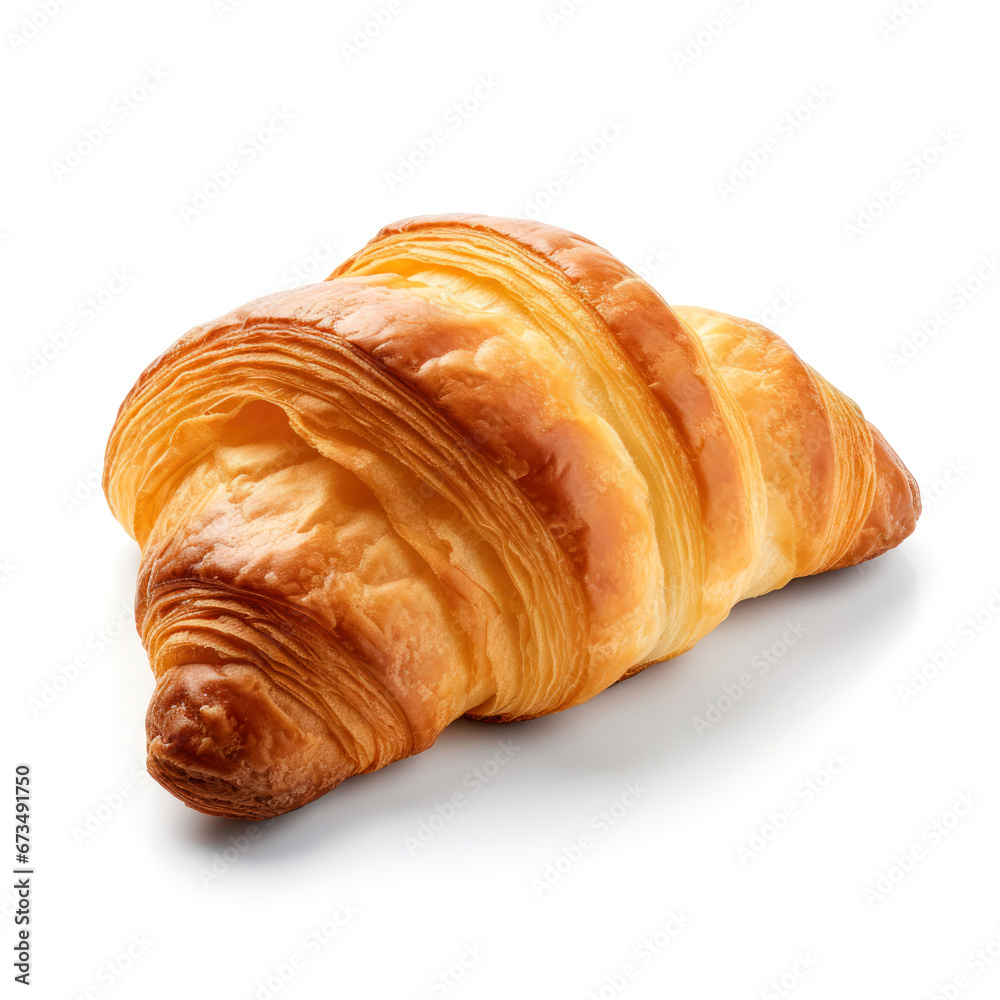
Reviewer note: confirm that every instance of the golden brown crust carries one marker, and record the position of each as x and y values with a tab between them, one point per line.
483	469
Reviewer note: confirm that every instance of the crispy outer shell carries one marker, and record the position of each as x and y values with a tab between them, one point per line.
483	469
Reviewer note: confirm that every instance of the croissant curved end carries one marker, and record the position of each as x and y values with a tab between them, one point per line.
218	739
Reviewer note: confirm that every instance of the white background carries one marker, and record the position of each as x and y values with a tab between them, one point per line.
118	866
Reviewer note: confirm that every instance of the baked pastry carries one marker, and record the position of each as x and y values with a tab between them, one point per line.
483	469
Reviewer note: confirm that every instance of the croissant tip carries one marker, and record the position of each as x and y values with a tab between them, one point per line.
217	740
205	794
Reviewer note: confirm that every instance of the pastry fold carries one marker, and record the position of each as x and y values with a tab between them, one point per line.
483	469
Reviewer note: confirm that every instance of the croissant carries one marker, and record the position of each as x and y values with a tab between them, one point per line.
483	469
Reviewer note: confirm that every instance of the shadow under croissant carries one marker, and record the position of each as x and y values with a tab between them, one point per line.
848	617
642	724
